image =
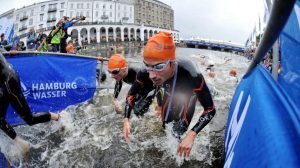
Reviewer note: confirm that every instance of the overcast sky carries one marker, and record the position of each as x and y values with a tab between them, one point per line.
228	20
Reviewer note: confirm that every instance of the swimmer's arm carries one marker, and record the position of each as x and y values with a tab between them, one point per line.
7	129
205	98
118	87
130	99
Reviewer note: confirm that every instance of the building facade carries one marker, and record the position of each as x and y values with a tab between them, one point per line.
106	20
154	13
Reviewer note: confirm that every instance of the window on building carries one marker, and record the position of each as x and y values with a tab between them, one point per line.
118	14
104	6
77	14
17	17
42	8
88	6
119	7
110	14
130	9
97	6
82	6
61	14
81	13
78	6
110	6
41	17
71	14
104	13
62	5
87	14
30	22
72	6
97	14
31	13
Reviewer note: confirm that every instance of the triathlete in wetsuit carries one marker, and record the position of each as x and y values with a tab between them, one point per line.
11	93
141	95
117	67
183	84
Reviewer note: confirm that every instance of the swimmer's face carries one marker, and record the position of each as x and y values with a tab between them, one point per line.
120	75
159	71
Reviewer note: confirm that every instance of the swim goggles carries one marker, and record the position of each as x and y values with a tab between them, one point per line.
158	67
116	71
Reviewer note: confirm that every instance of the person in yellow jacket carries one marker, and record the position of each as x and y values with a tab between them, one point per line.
56	35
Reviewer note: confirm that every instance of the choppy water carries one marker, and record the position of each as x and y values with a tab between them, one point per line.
90	134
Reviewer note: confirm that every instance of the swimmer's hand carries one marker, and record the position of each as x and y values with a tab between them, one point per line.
117	106
185	147
22	144
158	111
126	129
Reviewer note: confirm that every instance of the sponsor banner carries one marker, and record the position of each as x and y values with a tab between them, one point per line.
289	76
263	128
52	82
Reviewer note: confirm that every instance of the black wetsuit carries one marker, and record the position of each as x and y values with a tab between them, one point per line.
140	95
129	79
11	93
189	86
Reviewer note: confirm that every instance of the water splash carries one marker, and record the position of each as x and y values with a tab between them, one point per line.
90	135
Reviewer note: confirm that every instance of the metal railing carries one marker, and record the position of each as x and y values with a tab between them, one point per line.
23	18
104	17
52	10
125	18
23	28
51	19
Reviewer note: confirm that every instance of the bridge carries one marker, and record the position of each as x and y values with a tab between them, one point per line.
214	45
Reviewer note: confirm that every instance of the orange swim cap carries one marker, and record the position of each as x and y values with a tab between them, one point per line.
160	47
116	61
233	72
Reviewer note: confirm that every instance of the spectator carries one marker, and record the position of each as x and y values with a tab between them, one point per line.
70	47
40	35
267	64
21	46
43	46
55	36
31	39
3	41
66	24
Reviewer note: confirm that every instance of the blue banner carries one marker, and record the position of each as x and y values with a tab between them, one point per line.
290	61
263	128
52	82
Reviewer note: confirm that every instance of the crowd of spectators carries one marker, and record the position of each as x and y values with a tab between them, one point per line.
55	41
